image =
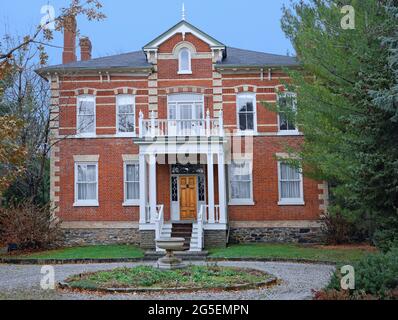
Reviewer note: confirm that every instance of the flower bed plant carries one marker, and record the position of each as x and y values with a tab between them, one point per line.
191	278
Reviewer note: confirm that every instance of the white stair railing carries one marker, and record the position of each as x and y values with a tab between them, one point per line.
201	222
159	221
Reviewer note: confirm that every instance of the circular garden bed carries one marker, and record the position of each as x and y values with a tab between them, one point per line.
150	279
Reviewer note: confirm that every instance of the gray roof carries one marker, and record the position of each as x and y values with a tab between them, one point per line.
247	58
137	60
131	60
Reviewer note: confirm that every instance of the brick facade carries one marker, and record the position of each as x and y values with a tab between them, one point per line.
220	89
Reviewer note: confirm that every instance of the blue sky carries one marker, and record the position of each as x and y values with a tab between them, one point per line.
130	24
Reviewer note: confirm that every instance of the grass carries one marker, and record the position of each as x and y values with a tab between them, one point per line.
289	251
276	251
91	252
193	277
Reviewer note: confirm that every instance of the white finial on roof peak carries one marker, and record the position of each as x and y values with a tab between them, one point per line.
183	11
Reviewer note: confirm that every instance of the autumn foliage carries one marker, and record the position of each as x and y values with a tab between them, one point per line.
28	225
12	154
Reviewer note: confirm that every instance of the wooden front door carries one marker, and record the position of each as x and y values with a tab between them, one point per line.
188	198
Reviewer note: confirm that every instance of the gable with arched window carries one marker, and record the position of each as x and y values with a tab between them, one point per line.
184	61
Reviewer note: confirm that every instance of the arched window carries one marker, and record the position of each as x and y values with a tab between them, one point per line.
184	61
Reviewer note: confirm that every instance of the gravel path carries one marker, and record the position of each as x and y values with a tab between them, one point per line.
297	283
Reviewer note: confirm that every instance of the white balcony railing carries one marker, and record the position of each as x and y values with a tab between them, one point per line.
180	128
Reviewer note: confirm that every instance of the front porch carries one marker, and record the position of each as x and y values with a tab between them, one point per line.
173	194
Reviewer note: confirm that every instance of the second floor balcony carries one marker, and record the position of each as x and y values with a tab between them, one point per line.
207	127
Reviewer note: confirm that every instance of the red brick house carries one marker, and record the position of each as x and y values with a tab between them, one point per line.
174	140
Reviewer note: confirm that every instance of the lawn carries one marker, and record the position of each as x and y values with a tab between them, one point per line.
192	277
293	252
91	252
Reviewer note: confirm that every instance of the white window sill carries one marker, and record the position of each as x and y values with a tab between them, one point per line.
85	135
131	204
125	135
86	204
241	203
289	133
291	203
184	72
247	133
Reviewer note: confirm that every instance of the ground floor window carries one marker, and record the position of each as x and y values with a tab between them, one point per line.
290	185
241	182
131	183
86	184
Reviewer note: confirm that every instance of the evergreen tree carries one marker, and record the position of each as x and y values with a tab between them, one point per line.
347	104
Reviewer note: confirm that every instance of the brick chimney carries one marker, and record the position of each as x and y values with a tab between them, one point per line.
85	48
69	54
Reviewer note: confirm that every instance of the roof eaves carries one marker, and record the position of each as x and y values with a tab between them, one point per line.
86	69
241	66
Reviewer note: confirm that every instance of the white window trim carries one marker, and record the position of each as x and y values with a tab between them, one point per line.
295	132
128	203
85	203
126	134
90	134
240	202
292	201
179	103
247	132
189	71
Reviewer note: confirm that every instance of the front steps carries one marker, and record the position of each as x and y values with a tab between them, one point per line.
188	231
183	230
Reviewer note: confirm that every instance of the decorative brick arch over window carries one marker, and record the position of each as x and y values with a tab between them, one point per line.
86	91
126	90
185	89
245	88
182	45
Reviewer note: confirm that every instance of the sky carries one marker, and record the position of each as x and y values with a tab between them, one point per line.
130	24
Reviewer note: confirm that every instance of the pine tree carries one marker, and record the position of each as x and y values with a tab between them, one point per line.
347	104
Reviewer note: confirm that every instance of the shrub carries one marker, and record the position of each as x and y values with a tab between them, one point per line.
387	238
337	229
28	225
376	275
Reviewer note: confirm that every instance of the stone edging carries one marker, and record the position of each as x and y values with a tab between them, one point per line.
137	260
241	287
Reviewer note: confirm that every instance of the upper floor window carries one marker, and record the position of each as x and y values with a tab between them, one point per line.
247	112
125	114
86	184
241	182
86	115
287	103
188	112
290	185
184	61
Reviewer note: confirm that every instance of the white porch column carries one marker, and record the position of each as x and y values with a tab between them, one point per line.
222	192
210	188
152	187
143	189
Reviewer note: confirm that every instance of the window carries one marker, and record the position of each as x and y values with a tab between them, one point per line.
125	114
188	111
86	115
287	101
247	118
131	183
184	61
241	183
290	185
86	184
